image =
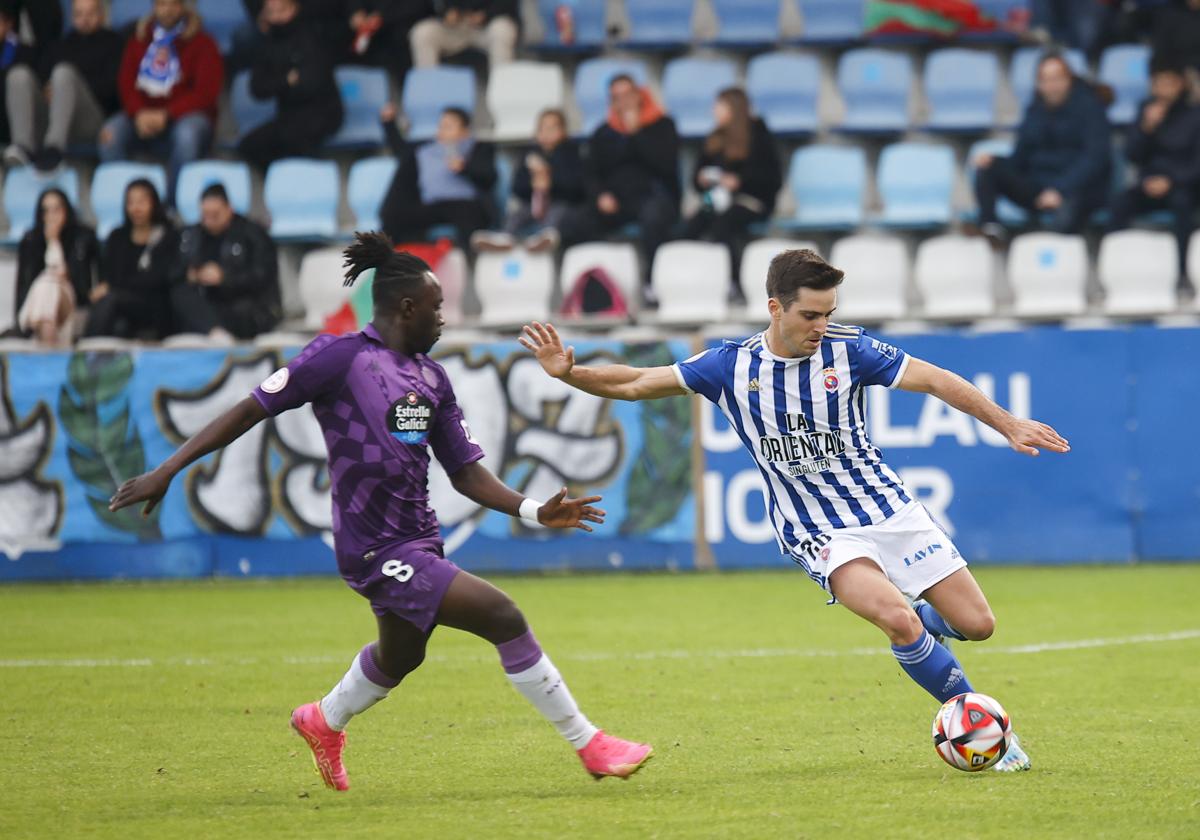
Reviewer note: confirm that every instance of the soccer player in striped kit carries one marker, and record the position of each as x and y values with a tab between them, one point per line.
382	405
794	394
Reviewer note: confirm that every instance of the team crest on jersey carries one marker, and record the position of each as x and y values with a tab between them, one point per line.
410	418
830	379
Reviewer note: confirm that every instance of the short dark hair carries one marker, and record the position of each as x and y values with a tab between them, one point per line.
621	77
1161	63
794	270
398	274
463	116
215	190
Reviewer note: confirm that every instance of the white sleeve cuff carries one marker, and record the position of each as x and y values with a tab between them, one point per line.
679	378
900	373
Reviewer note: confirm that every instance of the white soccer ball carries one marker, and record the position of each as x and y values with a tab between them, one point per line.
971	732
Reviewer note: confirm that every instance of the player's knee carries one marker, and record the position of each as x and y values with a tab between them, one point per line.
901	624
981	626
506	621
398	664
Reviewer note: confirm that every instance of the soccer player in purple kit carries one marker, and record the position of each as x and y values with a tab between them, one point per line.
382	403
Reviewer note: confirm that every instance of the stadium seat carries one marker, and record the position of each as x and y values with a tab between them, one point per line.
249	113
960	86
1193	262
746	22
956	276
619	261
195	176
428	90
22	188
517	92
691	280
1006	211
756	259
784	88
827	183
513	287
1126	69
364	91
831	21
875	87
876	278
108	191
221	20
690	87
123	13
366	186
916	184
1048	274
591	86
301	195
588	23
1022	73
658	24
320	286
1139	270
8	291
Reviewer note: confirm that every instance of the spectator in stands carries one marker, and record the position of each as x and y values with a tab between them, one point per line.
328	18
1061	164
461	24
632	174
56	269
170	80
1071	23
380	33
737	177
133	298
445	181
45	23
73	92
226	280
293	68
548	182
1177	35
14	58
1164	143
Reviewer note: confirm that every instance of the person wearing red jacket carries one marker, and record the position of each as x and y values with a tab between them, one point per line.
170	80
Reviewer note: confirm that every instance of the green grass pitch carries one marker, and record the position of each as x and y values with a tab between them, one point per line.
160	710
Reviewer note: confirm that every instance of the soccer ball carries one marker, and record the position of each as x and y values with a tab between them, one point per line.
971	732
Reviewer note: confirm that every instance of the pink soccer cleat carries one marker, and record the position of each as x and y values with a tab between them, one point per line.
326	745
605	755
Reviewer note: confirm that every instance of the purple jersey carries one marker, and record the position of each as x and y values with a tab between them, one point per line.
380	412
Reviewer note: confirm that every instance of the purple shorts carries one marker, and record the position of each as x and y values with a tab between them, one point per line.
408	579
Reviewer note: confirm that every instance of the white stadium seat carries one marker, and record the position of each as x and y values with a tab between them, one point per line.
876	278
956	275
756	259
8	290
453	273
321	289
1048	274
691	280
1193	262
1139	270
619	261
513	287
517	92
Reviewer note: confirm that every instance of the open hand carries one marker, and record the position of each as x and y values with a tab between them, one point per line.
547	347
148	487
561	512
1026	435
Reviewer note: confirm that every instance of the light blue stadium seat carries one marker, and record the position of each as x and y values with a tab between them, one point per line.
366	186
875	86
832	21
249	113
659	24
23	186
1022	72
1006	211
960	86
827	183
108	190
747	22
221	19
196	176
301	195
589	26
591	86
429	90
364	91
916	184
690	86
783	88
123	13
1126	68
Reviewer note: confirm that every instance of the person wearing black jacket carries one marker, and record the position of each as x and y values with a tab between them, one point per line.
133	298
632	174
292	67
457	25
1164	143
56	269
72	93
15	57
1177	34
1062	163
380	33
226	276
445	181
737	175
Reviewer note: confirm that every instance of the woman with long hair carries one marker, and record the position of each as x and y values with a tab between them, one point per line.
56	267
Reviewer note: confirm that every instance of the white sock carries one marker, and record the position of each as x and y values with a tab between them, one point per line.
354	694
543	686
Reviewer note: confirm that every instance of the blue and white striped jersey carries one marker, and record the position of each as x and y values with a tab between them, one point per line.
804	421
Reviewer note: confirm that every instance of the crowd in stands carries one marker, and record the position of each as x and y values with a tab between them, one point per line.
73	88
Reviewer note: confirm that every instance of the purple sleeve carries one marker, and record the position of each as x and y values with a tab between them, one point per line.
312	373
451	439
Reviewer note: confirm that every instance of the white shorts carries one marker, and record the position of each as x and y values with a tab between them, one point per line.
911	549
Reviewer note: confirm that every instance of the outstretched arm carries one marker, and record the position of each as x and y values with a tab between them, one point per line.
1022	435
152	486
614	382
477	483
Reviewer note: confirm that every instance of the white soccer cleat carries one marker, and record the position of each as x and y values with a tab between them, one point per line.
1014	759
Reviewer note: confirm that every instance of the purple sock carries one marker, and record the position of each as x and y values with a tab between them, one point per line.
519	654
366	661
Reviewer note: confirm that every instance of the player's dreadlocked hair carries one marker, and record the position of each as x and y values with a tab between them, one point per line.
395	275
